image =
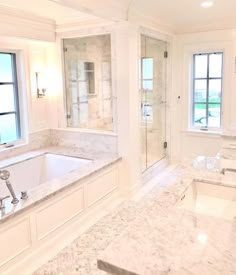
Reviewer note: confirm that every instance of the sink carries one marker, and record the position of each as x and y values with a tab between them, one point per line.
209	199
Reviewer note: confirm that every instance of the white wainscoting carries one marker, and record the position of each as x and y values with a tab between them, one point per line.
24	237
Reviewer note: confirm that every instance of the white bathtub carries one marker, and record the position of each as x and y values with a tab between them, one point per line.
30	173
210	199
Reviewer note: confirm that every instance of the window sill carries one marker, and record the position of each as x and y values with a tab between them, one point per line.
200	133
10	146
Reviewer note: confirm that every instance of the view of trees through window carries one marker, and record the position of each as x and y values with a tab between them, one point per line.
147	65
207	89
9	118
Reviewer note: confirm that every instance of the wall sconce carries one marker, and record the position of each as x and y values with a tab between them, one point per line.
40	91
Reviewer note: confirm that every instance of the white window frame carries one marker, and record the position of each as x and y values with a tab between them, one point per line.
22	97
206	128
14	83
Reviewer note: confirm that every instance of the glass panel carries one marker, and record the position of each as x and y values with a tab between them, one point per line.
88	82
200	115
147	66
214	115
148	85
200	66
153	82
6	67
200	92
8	128
215	65
7	100
215	90
147	111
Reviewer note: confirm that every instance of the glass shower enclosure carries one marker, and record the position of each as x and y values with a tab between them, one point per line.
153	77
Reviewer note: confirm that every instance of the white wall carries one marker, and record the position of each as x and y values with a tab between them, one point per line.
33	57
48	112
188	144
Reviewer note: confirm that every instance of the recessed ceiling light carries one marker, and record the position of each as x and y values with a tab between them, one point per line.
207	4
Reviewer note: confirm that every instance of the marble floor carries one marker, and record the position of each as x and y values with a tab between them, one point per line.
80	257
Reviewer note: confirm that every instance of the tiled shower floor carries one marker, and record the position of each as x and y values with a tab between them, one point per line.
80	257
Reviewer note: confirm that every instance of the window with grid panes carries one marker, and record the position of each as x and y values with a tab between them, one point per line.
207	90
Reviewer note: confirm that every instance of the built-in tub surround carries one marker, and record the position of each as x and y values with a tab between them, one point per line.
85	140
30	173
58	206
41	185
35	141
166	239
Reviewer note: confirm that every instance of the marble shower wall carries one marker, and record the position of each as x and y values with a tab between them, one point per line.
85	141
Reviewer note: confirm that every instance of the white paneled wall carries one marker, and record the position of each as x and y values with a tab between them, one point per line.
187	144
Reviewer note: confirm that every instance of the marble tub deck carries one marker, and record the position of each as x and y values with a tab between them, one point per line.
44	191
148	236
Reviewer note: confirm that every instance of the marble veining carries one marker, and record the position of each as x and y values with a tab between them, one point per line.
100	160
80	257
85	140
149	235
164	239
36	141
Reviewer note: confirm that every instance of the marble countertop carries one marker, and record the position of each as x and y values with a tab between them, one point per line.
100	160
165	239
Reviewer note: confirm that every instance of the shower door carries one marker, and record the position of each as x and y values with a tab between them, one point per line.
153	71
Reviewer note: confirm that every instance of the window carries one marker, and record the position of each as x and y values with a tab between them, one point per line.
9	104
147	71
207	90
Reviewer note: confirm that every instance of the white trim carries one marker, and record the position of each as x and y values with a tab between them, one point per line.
168	39
16	144
88	33
199	133
22	99
189	50
19	23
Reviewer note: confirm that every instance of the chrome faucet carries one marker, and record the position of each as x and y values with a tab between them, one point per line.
4	175
227	169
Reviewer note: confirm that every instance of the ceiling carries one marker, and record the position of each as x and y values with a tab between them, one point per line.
179	16
45	8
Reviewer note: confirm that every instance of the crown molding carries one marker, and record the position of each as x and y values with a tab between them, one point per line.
23	14
151	23
16	23
228	23
82	23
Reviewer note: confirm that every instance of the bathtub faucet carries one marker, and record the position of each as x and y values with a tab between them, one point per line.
227	169
4	175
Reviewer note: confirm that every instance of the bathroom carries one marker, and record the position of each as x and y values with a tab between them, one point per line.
109	141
